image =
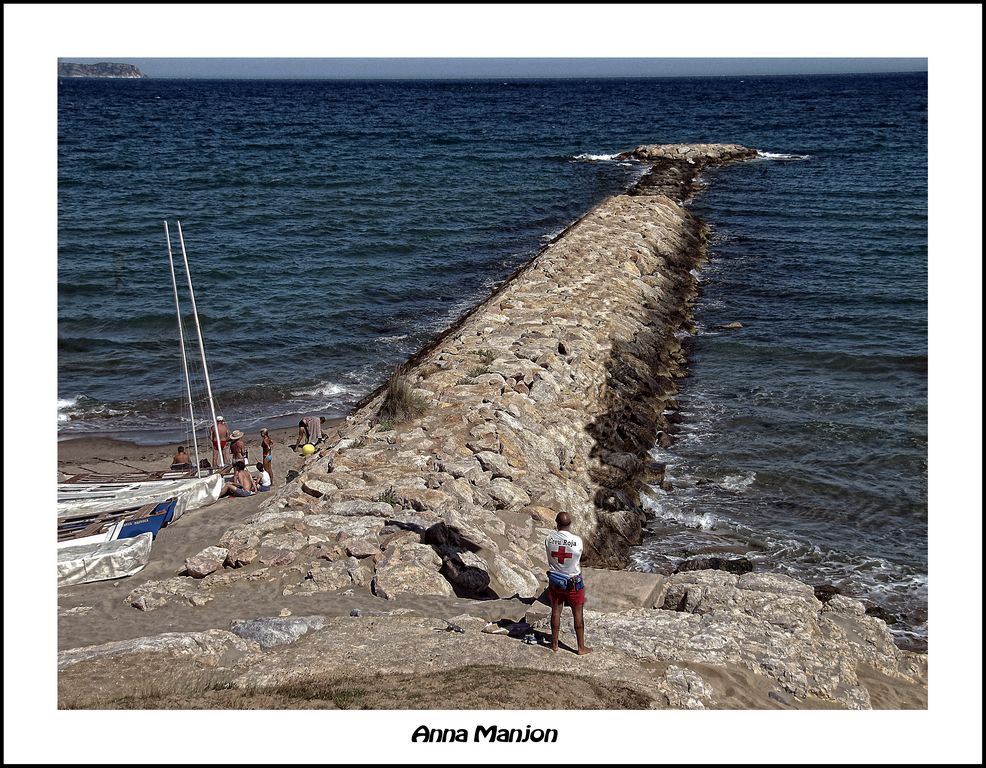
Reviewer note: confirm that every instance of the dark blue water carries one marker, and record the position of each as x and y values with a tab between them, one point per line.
333	227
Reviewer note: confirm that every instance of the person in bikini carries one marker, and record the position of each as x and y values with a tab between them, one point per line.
267	449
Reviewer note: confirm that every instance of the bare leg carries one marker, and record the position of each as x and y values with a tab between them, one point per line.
580	630
270	471
555	624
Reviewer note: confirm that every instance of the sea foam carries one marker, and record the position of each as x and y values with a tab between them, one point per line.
781	156
587	157
324	389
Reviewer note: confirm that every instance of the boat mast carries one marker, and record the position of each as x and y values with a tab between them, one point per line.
205	369
184	360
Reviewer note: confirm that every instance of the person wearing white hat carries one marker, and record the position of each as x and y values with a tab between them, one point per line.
220	444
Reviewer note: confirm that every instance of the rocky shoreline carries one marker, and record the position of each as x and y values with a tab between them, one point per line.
546	397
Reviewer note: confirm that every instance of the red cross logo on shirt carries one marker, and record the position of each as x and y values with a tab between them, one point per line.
561	555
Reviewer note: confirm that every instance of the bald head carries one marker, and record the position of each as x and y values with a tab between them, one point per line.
563	521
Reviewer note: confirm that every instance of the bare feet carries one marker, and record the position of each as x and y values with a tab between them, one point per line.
554	648
584	651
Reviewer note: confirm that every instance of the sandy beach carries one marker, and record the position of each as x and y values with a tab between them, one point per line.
105	455
96	612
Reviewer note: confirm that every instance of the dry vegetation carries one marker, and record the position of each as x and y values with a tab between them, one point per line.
400	403
153	681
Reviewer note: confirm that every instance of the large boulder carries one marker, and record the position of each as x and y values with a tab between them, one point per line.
410	569
205	562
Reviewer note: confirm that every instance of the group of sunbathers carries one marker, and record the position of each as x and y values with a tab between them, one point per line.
244	483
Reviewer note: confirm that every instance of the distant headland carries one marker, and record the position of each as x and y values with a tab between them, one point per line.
103	69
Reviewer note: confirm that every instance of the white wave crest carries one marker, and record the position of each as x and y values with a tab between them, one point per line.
586	156
549	236
67	408
391	339
325	389
652	502
739	482
781	156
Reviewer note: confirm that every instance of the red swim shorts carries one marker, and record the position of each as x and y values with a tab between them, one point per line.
220	446
570	597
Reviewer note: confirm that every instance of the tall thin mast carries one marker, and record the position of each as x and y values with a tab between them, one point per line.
205	368
184	360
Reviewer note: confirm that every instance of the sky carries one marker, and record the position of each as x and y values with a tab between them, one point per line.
482	67
946	38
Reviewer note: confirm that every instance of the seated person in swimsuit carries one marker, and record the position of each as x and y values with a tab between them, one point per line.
242	484
263	477
181	460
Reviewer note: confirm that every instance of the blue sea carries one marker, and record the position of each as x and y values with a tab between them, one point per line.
333	227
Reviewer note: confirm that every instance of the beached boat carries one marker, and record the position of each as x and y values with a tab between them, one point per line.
89	527
98	561
92	531
192	493
148	519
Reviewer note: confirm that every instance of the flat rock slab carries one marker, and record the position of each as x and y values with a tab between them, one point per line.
614	591
275	630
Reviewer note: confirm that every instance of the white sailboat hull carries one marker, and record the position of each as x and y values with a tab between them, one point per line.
108	497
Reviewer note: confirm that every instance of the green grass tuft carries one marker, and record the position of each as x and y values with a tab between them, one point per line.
400	403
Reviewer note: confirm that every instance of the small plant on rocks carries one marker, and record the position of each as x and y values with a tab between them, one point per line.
400	403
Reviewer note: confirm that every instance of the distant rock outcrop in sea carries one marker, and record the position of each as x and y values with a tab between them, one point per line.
102	69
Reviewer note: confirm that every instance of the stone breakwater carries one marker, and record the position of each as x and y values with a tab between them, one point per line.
545	397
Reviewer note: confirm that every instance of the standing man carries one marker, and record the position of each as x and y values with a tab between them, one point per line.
565	585
218	443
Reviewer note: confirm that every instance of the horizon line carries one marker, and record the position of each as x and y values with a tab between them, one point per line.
502	78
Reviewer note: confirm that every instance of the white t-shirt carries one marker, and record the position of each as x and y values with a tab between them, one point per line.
264	479
564	550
